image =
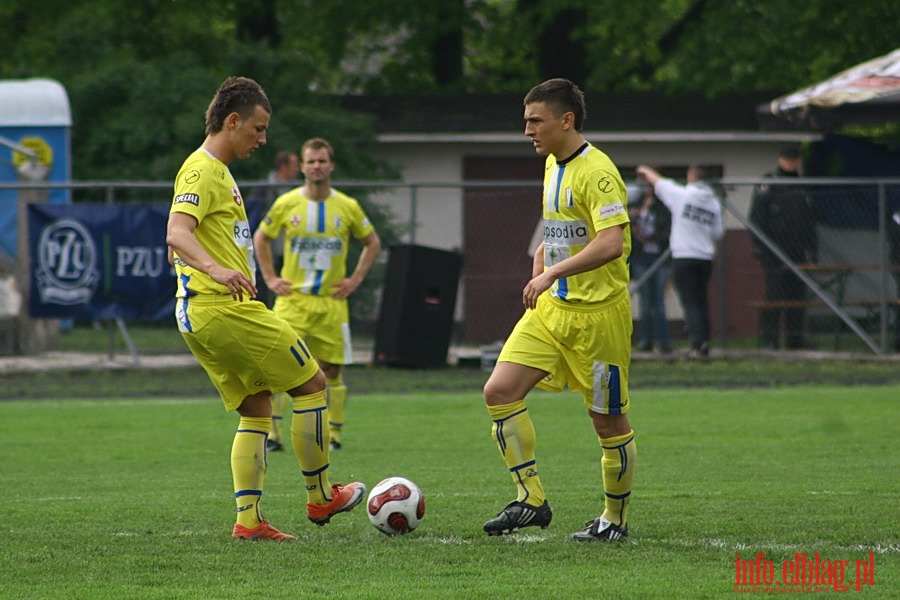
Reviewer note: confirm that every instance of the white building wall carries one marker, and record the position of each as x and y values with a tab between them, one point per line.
438	210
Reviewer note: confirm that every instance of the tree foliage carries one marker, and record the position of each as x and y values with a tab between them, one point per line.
139	74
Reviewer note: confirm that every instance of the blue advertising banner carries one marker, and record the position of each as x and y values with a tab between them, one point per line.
102	261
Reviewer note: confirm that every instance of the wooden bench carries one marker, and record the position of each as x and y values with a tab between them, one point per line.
871	308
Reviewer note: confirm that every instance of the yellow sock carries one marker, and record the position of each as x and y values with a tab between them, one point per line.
617	464
514	433
337	400
309	438
279	404
248	467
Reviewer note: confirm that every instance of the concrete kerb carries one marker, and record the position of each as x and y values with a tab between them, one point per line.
457	356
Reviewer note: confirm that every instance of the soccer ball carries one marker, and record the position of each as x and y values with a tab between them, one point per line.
395	506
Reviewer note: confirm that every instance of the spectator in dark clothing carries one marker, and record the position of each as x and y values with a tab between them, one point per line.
650	225
786	215
893	230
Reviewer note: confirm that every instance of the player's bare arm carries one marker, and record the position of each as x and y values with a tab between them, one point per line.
647	174
262	246
537	263
371	247
607	246
180	238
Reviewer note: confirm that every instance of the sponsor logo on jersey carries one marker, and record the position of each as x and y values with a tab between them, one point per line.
611	209
332	245
192	176
243	237
565	233
189	198
605	185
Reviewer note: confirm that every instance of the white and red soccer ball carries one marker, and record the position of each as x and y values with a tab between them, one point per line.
395	506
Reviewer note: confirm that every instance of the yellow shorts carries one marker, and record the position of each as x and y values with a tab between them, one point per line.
243	347
586	349
322	322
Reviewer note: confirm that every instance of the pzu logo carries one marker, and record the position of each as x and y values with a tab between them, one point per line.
65	271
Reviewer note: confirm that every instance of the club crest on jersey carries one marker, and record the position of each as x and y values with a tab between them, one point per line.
296	220
236	194
569	199
337	222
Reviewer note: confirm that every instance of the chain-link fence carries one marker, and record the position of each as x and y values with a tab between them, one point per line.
817	263
805	263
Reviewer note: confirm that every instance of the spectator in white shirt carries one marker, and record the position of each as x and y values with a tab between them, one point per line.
696	227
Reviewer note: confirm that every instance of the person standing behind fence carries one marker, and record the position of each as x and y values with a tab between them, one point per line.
247	351
696	227
786	214
893	232
312	287
650	226
576	330
287	169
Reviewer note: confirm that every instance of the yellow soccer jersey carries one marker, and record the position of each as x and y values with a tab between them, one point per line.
206	190
583	195
317	236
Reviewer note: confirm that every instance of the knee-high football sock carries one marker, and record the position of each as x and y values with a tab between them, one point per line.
337	400
617	464
279	406
514	433
309	438
248	467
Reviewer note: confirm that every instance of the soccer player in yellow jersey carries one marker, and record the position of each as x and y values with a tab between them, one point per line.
246	350
576	330
313	286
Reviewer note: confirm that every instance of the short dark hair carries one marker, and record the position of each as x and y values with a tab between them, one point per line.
239	95
701	172
561	96
283	158
790	152
317	144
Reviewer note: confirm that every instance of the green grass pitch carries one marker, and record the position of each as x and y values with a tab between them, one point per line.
132	498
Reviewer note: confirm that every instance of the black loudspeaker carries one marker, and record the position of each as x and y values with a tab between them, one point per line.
417	306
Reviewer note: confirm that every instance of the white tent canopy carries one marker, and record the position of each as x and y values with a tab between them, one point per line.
866	94
34	102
